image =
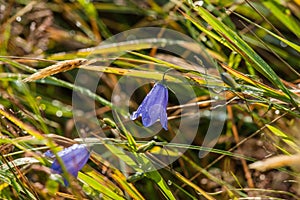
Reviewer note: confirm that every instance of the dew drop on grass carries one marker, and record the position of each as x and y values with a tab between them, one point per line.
18	19
169	182
55	103
204	181
69	108
249	92
78	24
217	89
262	177
277	112
248	119
198	3
59	113
72	32
19	83
283	44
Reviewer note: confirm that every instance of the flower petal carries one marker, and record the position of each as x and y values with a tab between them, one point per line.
74	158
153	107
164	120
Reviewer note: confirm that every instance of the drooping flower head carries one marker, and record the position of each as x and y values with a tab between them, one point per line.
154	107
73	157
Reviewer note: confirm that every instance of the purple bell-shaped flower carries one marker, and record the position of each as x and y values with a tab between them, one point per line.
73	157
154	107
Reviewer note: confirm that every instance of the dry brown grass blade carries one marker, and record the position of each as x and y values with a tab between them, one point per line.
276	162
56	68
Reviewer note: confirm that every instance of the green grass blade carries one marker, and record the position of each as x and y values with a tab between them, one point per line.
239	45
283	15
287	139
291	44
92	182
158	179
95	21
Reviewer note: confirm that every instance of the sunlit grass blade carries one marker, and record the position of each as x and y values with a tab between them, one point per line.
32	131
19	162
27	96
55	81
13	179
162	148
268	90
284	16
118	177
194	186
276	162
227	186
56	68
128	187
154	175
239	45
123	156
111	50
71	13
286	138
96	22
101	179
289	43
99	187
158	179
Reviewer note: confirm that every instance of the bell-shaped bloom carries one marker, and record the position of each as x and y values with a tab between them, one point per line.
154	107
73	157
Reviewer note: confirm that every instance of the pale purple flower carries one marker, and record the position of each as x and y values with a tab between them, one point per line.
73	157
154	107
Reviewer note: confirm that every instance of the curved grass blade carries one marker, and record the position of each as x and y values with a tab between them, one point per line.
55	81
194	186
21	124
56	68
229	188
283	17
287	139
92	182
118	177
239	45
95	21
268	90
153	175
291	44
128	187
